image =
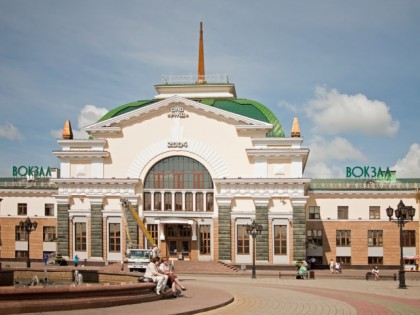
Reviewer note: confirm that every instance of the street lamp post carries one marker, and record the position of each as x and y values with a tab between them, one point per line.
29	226
403	214
254	229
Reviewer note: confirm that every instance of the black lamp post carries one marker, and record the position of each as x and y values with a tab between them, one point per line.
254	229
403	215
29	226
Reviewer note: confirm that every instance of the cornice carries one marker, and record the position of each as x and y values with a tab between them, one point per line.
276	152
81	154
95	181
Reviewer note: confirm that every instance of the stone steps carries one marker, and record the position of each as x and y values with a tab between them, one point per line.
205	267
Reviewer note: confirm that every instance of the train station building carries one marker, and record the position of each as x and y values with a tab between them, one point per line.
198	164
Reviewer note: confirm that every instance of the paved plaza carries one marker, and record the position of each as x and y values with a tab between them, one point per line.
239	294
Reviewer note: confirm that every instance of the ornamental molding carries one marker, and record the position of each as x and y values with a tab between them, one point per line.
197	148
261	193
92	188
344	192
171	101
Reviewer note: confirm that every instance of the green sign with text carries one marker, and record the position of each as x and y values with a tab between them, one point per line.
36	171
367	172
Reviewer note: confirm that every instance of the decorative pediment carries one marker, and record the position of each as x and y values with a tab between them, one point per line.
177	107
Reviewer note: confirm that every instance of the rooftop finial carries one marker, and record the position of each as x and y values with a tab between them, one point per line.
67	131
295	128
201	76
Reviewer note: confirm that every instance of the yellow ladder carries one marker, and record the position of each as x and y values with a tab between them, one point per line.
127	204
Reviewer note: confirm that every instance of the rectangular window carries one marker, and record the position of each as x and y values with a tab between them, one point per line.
147	202
189	201
343	238
21	254
20	233
178	180
409	238
280	240
49	209
178	201
168	201
375	260
344	260
198	180
153	231
314	212
314	237
158	180
49	233
22	209
209	202
157	201
242	240
375	238
80	236
114	241
343	212
374	212
205	240
199	201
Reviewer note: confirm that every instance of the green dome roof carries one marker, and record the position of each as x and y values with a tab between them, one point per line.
240	106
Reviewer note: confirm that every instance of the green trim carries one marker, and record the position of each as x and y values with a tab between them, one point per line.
248	108
126	108
240	106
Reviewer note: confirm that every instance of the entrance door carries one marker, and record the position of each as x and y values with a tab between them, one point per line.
179	249
179	240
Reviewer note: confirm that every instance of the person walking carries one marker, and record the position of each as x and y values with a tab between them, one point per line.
375	272
332	266
45	259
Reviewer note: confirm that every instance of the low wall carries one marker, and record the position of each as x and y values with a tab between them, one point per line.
23	276
100	289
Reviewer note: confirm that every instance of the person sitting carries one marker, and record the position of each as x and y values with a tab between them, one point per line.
375	272
173	281
157	276
303	271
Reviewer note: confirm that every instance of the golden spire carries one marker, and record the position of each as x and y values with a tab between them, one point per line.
201	76
67	132
295	128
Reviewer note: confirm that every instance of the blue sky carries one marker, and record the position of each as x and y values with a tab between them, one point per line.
349	70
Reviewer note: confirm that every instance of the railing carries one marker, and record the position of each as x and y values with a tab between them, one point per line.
368	185
193	78
26	183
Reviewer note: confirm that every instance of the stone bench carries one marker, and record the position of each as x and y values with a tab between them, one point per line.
294	274
371	275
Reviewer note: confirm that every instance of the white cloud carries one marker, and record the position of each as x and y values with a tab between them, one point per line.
289	106
9	131
333	112
326	157
336	149
409	166
89	114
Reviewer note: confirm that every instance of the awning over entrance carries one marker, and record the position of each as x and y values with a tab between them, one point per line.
174	221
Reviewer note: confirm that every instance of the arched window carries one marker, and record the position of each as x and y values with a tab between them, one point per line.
184	183
178	172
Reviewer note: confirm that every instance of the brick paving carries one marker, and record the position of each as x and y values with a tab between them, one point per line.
237	293
327	294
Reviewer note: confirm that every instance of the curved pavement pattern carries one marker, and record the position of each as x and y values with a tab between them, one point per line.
271	295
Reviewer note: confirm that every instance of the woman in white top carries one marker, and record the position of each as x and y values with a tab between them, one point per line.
173	281
153	272
375	272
